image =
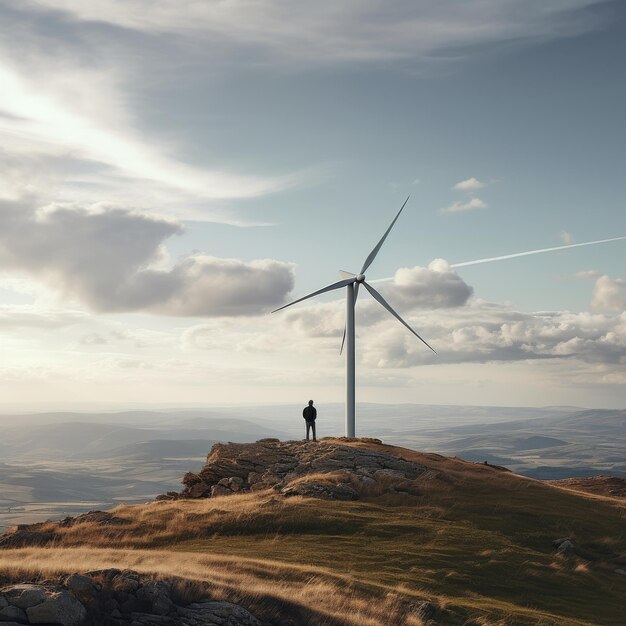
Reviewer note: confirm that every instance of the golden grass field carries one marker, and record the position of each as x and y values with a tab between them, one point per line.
475	541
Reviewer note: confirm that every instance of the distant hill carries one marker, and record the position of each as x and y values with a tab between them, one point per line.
94	440
584	443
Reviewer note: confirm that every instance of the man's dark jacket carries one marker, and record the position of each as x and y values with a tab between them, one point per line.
309	413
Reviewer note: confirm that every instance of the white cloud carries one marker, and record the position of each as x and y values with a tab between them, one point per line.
470	205
113	260
566	237
67	117
609	294
470	184
328	32
588	274
28	316
438	305
433	287
483	333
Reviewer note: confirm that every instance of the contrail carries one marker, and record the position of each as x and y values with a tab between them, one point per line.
518	254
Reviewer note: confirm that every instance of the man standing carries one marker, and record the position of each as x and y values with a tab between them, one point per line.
310	414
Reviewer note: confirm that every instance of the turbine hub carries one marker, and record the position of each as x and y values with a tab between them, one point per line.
360	278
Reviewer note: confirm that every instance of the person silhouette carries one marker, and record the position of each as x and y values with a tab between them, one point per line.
310	415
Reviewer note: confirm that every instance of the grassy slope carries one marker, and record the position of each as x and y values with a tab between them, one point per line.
475	540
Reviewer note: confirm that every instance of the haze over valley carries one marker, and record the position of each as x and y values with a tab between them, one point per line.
57	464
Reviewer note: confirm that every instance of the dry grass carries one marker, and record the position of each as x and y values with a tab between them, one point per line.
270	589
475	540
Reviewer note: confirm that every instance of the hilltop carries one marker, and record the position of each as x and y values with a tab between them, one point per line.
348	531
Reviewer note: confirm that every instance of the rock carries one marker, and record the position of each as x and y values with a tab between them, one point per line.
566	547
25	538
199	490
3	602
130	605
270	463
98	518
220	490
222	613
60	608
80	585
323	490
156	593
253	478
24	596
13	614
126	582
146	619
235	483
620	571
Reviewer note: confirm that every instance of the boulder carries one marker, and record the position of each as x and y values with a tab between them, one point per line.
24	596
198	490
220	490
13	614
80	585
126	582
564	546
222	613
322	490
60	608
235	483
156	594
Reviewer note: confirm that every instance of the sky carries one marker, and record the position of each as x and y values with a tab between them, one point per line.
172	171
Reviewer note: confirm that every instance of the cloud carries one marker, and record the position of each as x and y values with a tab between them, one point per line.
439	305
609	294
61	117
459	206
588	274
326	32
566	238
433	287
483	333
470	184
28	316
113	260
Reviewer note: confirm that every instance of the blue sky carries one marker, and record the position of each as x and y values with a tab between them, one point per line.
141	148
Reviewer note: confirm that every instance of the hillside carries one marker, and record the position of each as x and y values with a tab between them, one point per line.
355	532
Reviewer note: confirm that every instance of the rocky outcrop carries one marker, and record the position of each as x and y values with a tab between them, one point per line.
112	598
329	469
44	533
611	486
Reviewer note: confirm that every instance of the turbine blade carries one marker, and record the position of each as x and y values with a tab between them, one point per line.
345	275
356	295
374	252
382	301
341	283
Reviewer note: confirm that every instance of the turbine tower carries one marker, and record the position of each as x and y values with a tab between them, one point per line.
352	282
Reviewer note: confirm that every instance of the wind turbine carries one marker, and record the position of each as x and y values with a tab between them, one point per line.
352	283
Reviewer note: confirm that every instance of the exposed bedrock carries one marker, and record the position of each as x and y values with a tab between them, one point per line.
327	469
